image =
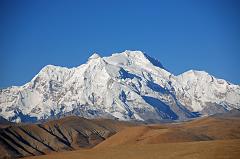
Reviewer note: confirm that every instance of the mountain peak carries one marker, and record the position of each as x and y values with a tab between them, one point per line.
52	69
49	67
129	57
195	73
142	55
94	56
133	53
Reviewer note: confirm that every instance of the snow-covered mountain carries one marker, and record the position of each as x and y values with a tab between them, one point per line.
127	85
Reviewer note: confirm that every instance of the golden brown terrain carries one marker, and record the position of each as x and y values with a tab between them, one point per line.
217	136
206	129
206	138
65	134
221	149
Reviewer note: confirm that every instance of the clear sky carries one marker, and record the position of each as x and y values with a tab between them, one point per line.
182	34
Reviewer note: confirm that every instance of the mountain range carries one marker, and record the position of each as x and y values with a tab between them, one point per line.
127	86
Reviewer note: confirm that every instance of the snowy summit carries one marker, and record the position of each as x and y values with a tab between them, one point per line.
94	56
129	86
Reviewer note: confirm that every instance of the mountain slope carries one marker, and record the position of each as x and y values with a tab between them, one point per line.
186	150
205	129
217	136
66	134
128	86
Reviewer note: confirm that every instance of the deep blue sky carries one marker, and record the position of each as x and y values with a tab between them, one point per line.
182	34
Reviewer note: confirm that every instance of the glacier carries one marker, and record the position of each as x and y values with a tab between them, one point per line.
127	86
